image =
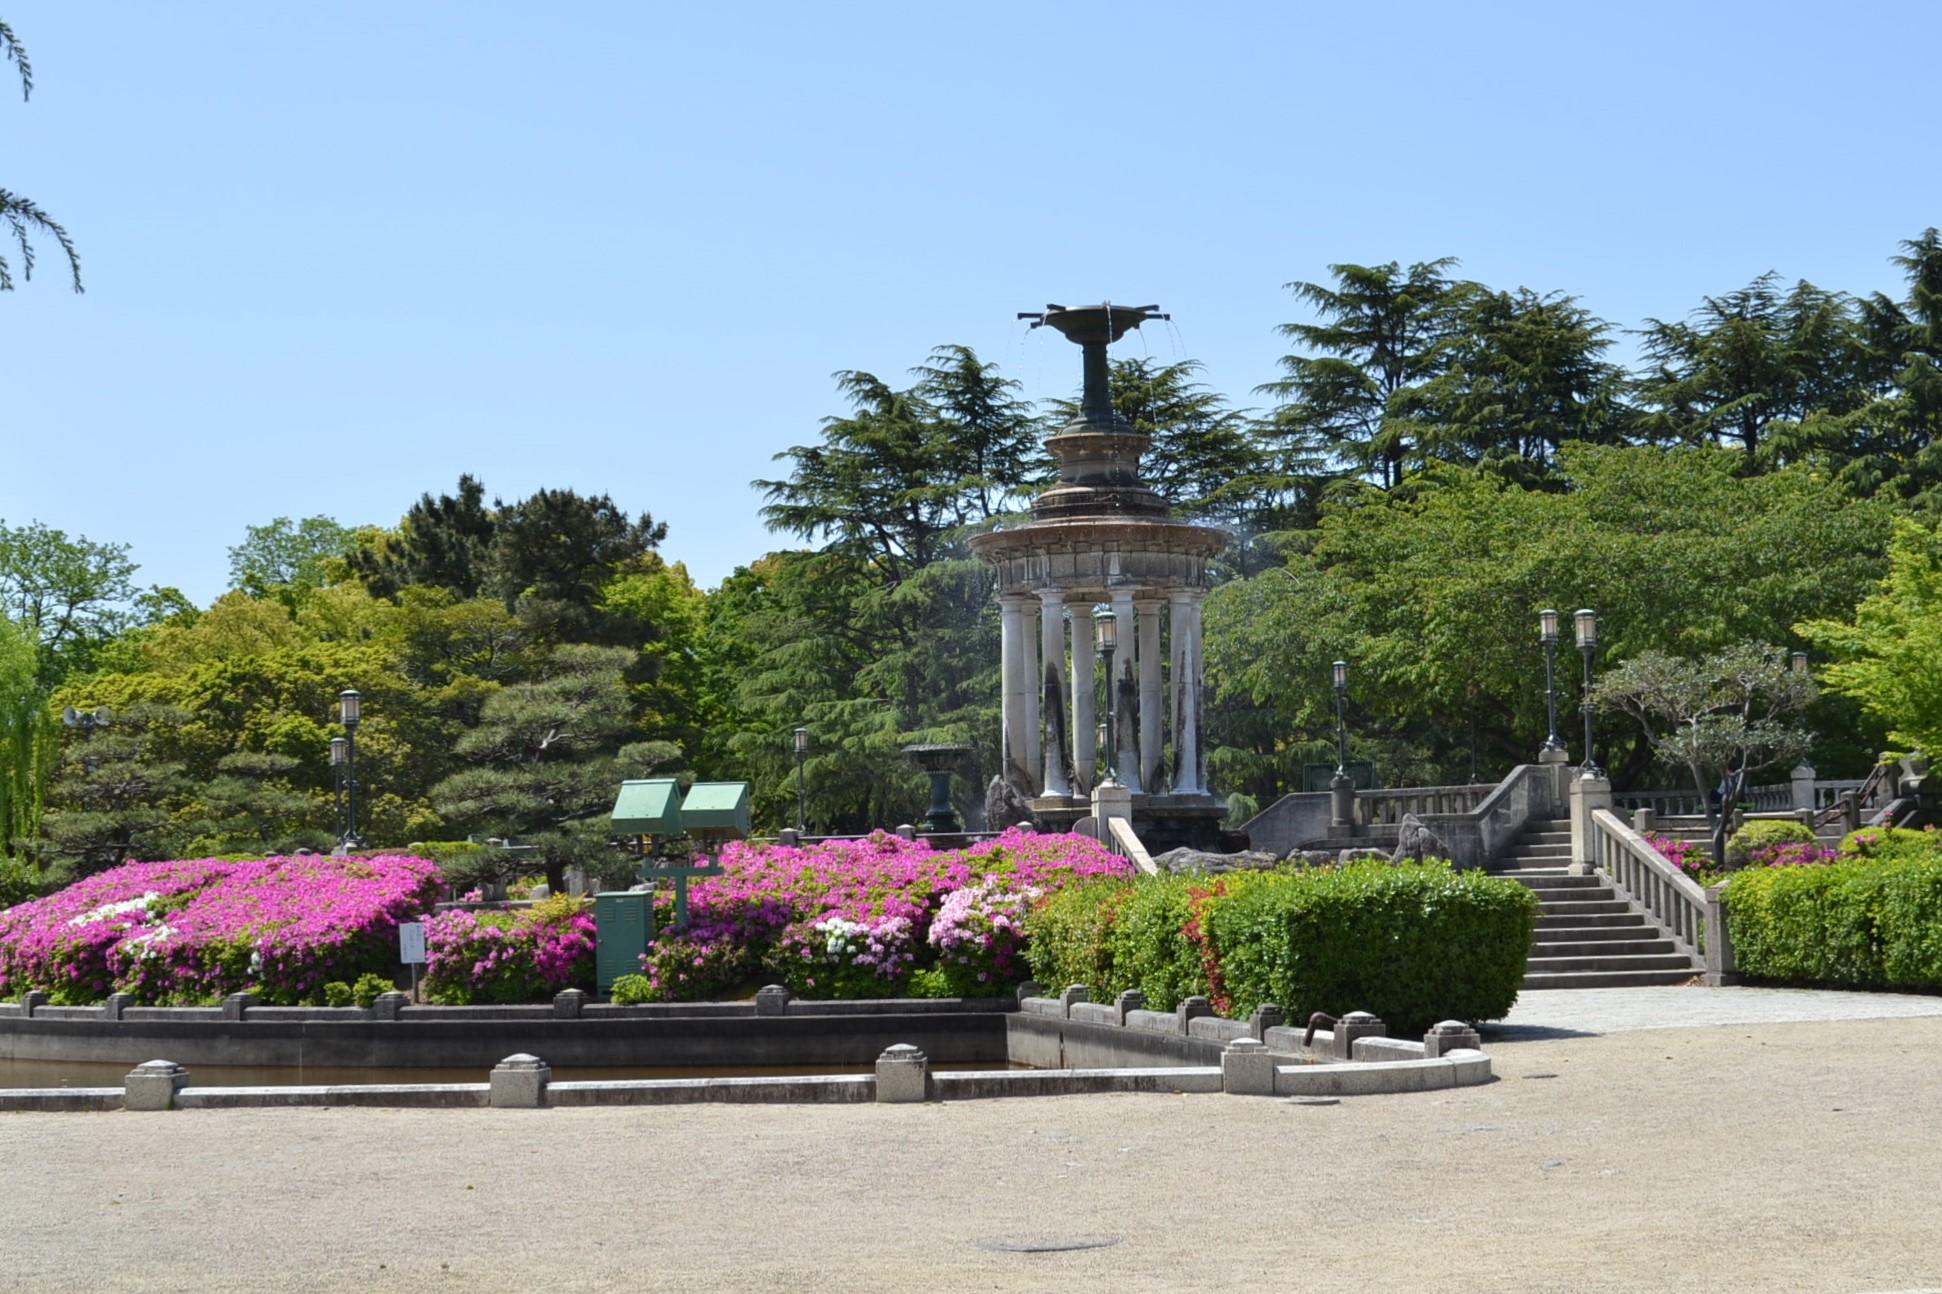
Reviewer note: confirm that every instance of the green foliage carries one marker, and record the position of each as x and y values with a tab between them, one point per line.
632	990
23	217
286	553
1743	844
338	993
1870	921
27	740
73	594
1887	843
1116	935
1886	658
1413	944
369	987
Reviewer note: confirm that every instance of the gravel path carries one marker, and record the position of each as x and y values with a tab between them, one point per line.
1560	1012
1797	1156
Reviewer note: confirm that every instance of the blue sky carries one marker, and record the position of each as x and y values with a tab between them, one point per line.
337	255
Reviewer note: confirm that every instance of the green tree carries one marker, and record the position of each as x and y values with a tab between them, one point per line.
1379	338
1749	360
286	553
26	739
1885	656
74	594
114	794
23	216
1736	710
548	755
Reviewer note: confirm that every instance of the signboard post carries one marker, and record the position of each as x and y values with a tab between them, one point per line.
411	950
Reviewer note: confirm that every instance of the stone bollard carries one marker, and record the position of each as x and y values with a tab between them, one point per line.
1190	1010
152	1085
388	1005
236	1003
788	838
1030	988
1073	993
1447	1036
519	1083
772	999
115	1004
1643	819
32	999
567	1003
1129	1001
1246	1068
903	1074
1356	1024
1264	1017
906	831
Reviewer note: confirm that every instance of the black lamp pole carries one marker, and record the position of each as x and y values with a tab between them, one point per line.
350	711
1341	723
1105	636
1547	624
1587	622
802	802
339	754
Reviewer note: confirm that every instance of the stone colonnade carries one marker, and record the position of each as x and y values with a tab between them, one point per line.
1050	728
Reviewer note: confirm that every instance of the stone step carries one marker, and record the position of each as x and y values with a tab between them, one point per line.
1558	883
1549	950
1607	979
1614	962
1549	921
1544	837
1566	934
1583	907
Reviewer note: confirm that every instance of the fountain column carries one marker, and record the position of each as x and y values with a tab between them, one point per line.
1051	686
1126	701
1028	686
1085	737
1151	774
1011	655
1186	692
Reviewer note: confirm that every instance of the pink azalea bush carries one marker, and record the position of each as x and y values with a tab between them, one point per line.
194	930
509	955
859	918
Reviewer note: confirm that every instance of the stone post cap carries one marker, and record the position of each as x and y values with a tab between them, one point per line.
520	1060
1361	1017
902	1053
1030	988
157	1069
1246	1045
1450	1026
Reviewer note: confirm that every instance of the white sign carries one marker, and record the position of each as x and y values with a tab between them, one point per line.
411	943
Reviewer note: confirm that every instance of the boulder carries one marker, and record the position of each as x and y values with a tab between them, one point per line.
1200	862
1004	806
1415	842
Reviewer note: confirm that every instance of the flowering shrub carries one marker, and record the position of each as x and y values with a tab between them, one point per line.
1692	857
193	930
511	955
850	918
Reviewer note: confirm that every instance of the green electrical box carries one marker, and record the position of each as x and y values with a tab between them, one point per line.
718	809
623	926
648	806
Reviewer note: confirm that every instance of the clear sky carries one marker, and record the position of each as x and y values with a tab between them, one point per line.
338	254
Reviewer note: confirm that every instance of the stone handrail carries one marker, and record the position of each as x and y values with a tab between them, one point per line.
1125	842
1646	879
1389	806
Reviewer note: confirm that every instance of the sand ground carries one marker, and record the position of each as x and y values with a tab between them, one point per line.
1771	1156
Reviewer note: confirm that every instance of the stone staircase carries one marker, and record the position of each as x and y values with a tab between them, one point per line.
1587	937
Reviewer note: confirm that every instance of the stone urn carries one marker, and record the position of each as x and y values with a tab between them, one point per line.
939	760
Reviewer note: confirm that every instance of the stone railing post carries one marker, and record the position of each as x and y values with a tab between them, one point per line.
152	1085
1073	993
519	1083
1801	781
1190	1010
1720	967
568	1002
1588	795
903	1075
1246	1068
772	999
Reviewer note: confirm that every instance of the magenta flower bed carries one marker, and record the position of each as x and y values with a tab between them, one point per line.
193	930
868	918
523	955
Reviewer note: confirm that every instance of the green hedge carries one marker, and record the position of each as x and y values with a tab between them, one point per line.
1413	944
1867	922
1764	833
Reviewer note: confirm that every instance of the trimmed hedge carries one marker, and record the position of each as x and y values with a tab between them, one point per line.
1865	922
1414	944
1764	834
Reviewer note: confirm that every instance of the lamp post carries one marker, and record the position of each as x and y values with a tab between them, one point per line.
339	756
1587	624
1341	787
1798	662
802	803
1547	632
350	711
1105	637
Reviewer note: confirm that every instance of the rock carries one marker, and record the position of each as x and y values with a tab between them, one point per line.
1415	842
1352	855
1310	858
1199	862
1004	806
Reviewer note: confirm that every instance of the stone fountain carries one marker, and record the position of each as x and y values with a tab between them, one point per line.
1099	537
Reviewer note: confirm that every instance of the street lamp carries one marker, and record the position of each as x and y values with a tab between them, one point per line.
1547	627
349	711
1105	637
339	756
1587	644
1341	788
1799	662
802	753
